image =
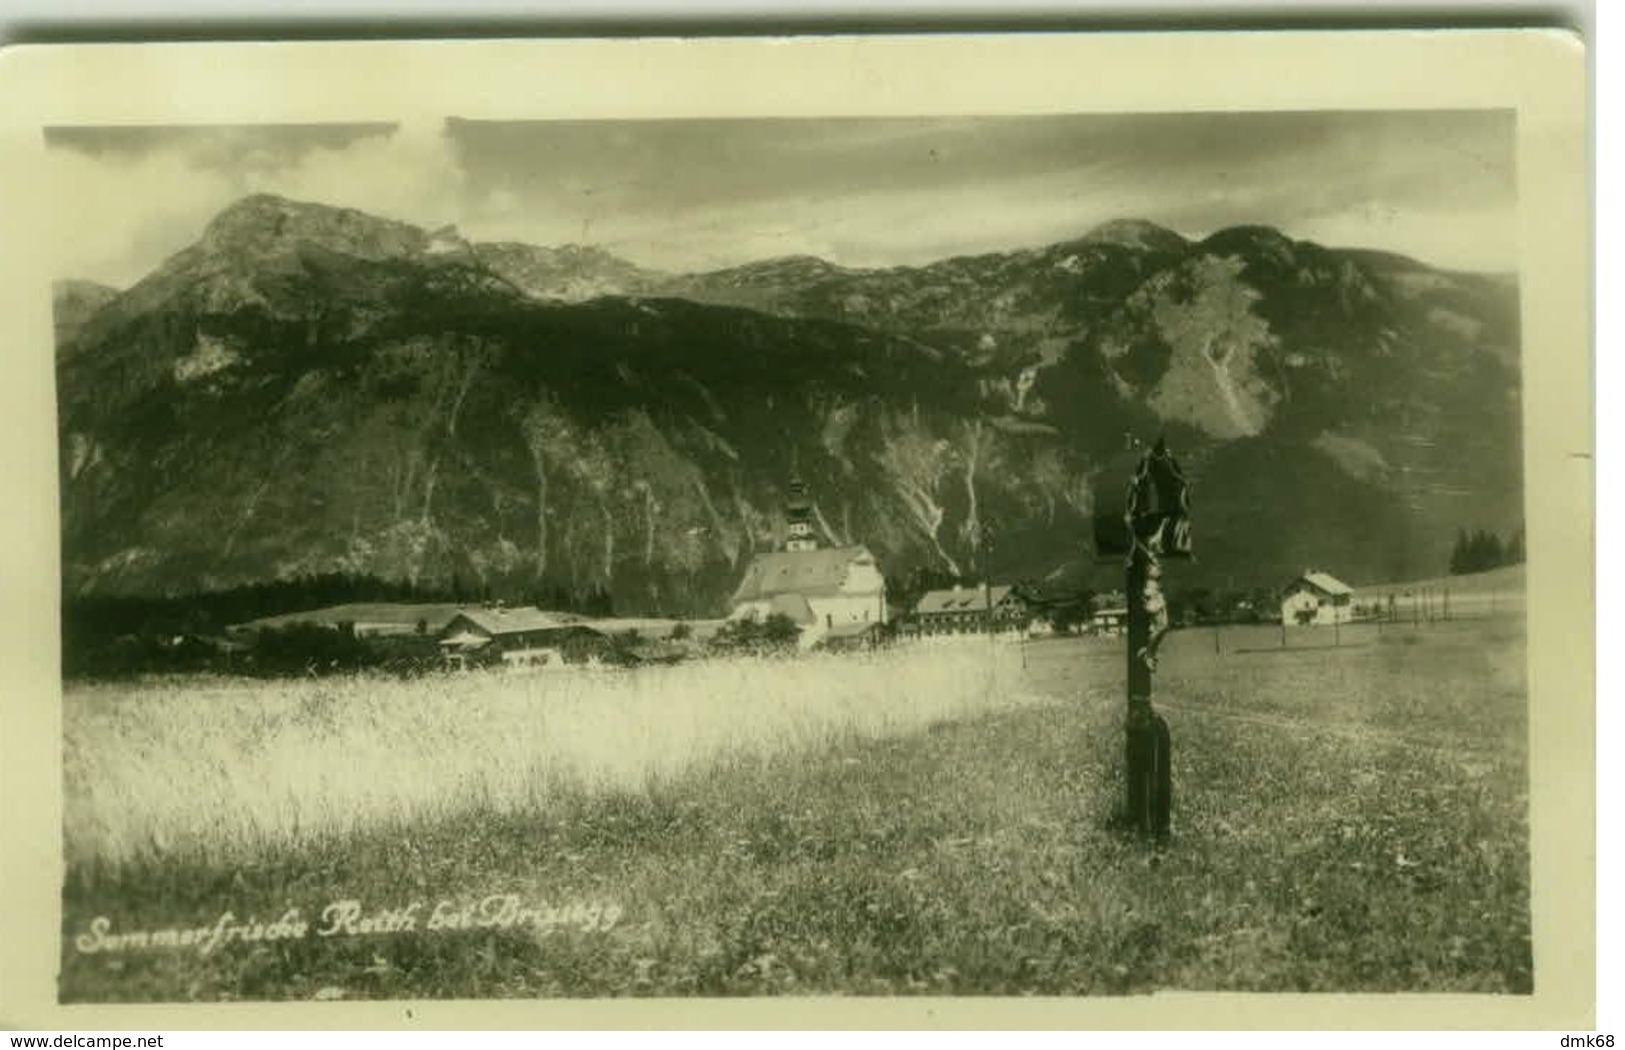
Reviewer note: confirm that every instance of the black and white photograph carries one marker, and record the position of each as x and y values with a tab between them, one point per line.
1072	554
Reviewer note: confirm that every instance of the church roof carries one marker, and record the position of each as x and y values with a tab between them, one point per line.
812	574
792	605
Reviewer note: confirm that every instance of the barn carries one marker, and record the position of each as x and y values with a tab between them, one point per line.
1316	598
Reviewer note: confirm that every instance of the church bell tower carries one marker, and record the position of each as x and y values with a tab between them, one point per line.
798	515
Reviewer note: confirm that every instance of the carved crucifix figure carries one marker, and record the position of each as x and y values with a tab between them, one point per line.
1157	516
1156	612
1158	525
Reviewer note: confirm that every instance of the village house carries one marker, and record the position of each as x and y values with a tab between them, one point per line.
1316	598
834	591
852	637
962	609
1108	614
520	637
1109	620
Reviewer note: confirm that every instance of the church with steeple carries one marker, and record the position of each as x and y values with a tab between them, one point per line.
831	592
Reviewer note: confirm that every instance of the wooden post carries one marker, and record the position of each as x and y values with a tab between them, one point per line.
1146	746
984	544
1139	628
1151	524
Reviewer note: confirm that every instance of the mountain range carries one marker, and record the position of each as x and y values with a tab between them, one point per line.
310	389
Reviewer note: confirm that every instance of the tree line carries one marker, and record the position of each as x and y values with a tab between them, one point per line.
1480	550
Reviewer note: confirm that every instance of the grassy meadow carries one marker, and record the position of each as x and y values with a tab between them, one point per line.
930	819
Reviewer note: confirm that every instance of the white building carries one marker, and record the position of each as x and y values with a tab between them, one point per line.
1109	620
962	609
820	589
1316	598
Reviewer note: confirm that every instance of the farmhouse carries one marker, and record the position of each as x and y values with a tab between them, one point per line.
1108	620
1316	598
820	589
523	637
961	609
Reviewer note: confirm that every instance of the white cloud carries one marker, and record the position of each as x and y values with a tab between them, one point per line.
1467	239
411	175
112	220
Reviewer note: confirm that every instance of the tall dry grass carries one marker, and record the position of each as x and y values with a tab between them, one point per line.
229	769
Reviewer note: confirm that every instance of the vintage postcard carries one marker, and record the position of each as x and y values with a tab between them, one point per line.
1020	531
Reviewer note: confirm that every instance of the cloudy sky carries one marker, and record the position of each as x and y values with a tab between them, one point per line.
683	195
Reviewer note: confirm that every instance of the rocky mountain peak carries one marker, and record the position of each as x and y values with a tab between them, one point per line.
74	302
570	272
1138	234
784	268
1254	242
265	224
